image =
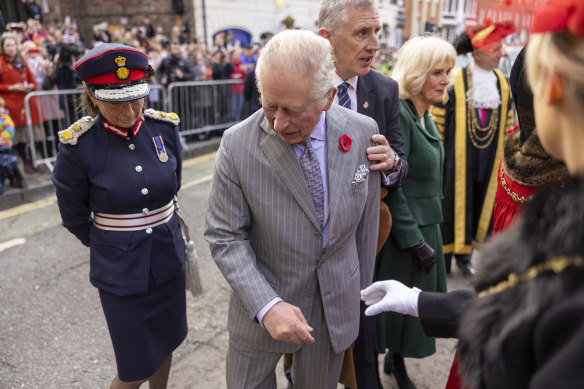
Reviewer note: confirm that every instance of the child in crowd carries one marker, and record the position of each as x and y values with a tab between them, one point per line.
8	161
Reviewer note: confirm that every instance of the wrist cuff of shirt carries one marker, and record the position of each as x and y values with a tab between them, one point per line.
262	312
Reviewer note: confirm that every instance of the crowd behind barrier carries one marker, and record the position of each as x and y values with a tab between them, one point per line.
203	84
211	87
203	107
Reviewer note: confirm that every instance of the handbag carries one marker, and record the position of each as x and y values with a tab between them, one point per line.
192	276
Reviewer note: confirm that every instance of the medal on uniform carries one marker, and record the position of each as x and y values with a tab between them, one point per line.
159	147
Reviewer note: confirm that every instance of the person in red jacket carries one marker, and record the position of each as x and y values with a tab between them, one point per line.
16	80
237	71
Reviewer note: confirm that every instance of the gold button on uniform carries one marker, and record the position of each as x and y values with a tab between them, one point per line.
138	168
148	230
131	146
144	191
145	211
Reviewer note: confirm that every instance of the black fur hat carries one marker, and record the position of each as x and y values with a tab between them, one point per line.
463	44
523	97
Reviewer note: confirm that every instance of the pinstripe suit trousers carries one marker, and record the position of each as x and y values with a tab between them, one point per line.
311	369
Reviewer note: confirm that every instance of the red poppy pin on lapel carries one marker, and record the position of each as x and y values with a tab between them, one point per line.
345	143
365	105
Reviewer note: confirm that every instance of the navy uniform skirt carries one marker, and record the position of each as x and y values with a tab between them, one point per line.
146	328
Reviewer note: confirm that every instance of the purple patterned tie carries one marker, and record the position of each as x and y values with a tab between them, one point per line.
311	169
343	93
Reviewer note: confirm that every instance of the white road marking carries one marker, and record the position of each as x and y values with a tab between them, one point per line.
11	243
197	182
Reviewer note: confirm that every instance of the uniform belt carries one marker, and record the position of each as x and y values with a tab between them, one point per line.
134	221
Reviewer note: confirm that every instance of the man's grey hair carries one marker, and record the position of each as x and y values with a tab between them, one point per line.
299	52
333	13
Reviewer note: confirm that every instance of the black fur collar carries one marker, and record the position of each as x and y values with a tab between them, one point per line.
530	164
495	333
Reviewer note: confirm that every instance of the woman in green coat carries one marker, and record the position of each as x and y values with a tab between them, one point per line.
413	252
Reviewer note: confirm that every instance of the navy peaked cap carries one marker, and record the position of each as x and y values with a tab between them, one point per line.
111	63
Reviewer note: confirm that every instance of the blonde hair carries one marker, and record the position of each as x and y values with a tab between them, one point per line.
564	53
299	52
416	58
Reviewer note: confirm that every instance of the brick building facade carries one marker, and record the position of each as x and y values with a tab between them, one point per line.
90	12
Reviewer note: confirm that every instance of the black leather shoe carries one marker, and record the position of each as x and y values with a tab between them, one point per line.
400	373
466	269
463	263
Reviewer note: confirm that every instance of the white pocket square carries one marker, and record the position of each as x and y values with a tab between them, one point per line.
360	175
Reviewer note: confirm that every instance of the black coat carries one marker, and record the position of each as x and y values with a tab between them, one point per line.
530	335
168	67
377	97
251	92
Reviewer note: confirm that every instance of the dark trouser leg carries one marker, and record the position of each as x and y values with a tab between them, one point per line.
400	373
462	259
41	149
16	179
23	152
448	262
20	149
364	355
2	178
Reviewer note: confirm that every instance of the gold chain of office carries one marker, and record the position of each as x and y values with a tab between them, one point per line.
556	265
514	196
481	137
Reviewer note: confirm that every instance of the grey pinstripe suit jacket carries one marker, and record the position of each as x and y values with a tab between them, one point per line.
265	237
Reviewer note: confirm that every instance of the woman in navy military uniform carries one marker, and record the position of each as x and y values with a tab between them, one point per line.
116	177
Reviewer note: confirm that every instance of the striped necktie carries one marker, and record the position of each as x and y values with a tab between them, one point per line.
343	93
312	174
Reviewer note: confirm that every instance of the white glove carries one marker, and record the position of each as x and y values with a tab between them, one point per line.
390	296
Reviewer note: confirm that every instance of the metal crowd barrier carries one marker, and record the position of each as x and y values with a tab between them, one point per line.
58	109
203	107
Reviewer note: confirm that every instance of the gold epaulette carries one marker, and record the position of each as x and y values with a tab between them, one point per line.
80	127
169	117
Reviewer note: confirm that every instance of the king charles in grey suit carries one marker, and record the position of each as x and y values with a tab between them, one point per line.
295	272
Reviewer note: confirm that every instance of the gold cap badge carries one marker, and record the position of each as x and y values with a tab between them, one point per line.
123	73
121	61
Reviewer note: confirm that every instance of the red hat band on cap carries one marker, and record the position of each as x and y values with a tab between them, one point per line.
112	77
558	15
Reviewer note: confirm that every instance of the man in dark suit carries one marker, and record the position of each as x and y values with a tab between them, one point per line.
354	41
352	29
